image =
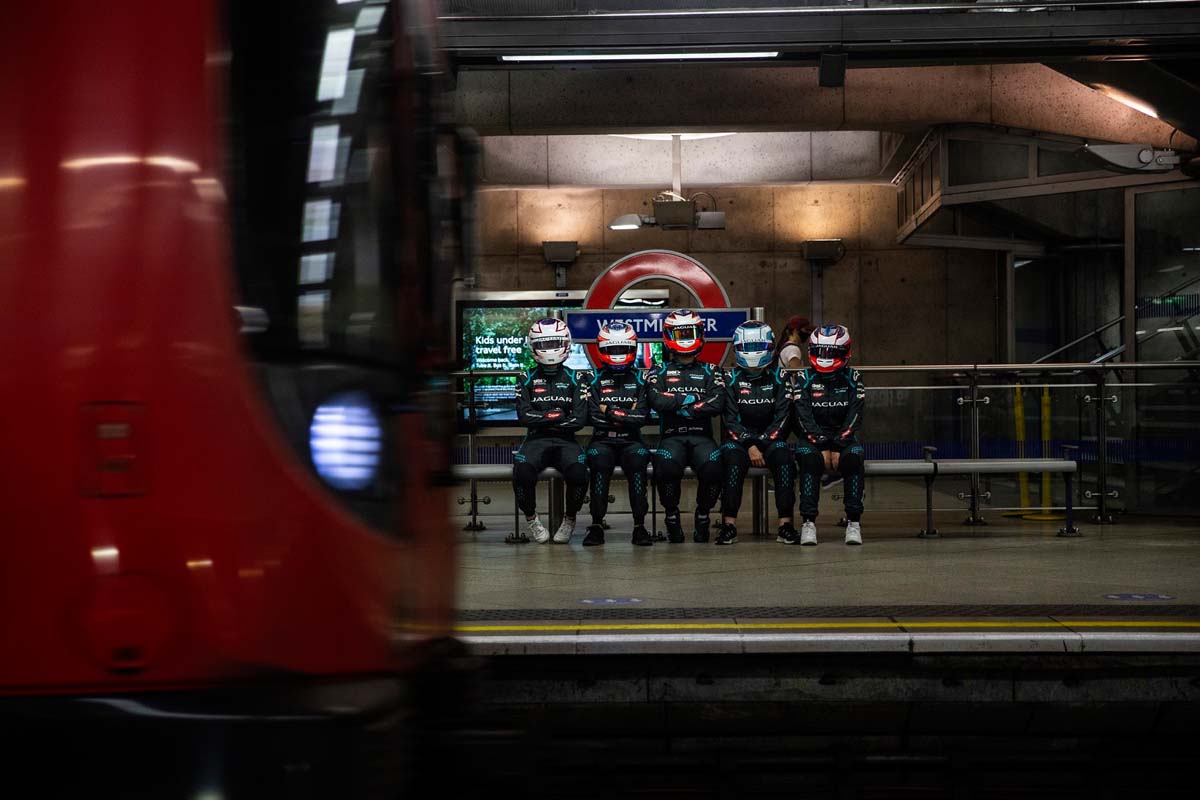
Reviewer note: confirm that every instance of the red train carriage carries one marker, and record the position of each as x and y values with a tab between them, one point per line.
221	444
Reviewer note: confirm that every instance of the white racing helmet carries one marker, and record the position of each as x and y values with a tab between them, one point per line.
753	344
550	341
829	348
617	342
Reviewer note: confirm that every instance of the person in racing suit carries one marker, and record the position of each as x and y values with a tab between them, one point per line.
829	398
552	405
687	394
755	425
617	410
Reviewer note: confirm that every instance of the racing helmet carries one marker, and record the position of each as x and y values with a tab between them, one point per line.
753	344
617	342
683	332
829	348
550	341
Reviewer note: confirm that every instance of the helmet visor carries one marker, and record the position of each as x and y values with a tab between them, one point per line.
550	343
619	349
828	351
754	347
683	333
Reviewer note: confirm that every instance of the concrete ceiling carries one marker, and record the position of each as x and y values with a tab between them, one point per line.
750	99
740	159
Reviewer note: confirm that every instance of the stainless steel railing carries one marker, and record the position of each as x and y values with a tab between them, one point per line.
970	377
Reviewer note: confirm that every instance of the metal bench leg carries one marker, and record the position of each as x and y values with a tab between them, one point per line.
518	535
756	487
1069	528
654	513
476	524
557	503
928	532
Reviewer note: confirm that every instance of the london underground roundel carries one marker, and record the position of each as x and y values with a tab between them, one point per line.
660	265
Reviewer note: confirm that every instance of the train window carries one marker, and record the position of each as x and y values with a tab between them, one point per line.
310	139
311	147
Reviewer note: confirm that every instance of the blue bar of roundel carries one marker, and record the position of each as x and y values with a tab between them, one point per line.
585	322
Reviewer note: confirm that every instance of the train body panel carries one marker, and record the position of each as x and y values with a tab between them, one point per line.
158	529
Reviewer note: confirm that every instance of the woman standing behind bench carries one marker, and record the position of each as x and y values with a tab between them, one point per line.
552	406
829	399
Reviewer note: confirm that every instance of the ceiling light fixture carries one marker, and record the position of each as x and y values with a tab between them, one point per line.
640	56
1134	157
627	222
666	137
673	211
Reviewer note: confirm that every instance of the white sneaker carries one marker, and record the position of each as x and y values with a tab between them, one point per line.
537	530
853	533
808	533
563	534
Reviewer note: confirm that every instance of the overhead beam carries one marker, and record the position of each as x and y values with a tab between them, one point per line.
710	98
875	36
1018	247
1173	99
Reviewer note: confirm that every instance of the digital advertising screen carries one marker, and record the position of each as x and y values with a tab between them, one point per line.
493	338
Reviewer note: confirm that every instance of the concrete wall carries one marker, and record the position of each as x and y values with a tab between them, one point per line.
903	305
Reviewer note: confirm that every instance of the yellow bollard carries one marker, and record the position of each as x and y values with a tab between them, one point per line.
1019	431
1046	515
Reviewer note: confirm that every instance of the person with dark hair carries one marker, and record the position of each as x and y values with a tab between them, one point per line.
789	347
829	400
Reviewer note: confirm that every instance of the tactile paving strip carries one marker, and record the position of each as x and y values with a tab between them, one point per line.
777	612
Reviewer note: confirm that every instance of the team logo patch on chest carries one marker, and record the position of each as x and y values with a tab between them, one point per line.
539	390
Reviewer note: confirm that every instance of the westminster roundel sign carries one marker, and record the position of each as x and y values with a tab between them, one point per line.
657	265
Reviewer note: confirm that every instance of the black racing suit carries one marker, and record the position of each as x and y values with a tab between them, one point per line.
829	414
686	430
758	411
552	405
617	438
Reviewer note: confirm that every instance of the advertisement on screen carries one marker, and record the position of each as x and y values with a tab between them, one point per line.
493	338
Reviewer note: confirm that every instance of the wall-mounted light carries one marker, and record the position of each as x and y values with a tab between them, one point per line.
560	255
629	222
1134	157
673	212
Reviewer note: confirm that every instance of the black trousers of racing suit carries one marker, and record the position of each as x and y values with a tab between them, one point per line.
564	455
735	457
687	450
811	459
633	458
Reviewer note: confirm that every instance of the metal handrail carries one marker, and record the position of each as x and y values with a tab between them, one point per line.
1081	339
1116	351
1074	366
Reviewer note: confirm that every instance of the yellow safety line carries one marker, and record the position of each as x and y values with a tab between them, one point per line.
733	626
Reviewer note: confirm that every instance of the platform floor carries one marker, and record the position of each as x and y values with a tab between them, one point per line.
1009	586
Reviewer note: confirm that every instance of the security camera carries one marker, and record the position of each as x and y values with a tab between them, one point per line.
1134	157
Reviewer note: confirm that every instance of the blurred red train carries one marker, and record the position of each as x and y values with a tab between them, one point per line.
224	264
